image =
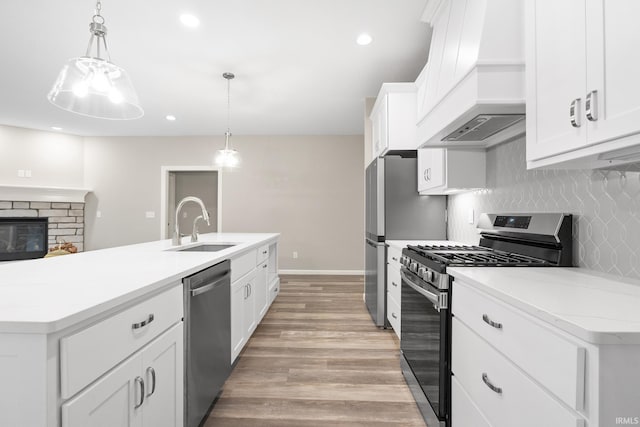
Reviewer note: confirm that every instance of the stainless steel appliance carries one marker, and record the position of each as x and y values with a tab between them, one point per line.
507	240
207	339
395	211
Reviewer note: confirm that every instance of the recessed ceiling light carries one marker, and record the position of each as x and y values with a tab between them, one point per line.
364	39
56	128
189	20
170	118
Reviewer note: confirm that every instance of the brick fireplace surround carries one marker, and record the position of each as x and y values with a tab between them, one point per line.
66	219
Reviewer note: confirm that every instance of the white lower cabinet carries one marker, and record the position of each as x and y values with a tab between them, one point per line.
261	291
505	395
466	412
393	288
243	318
143	391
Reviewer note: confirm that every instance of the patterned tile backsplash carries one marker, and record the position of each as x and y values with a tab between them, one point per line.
605	205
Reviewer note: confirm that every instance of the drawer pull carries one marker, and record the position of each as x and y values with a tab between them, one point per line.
394	284
264	252
394	315
264	266
485	379
491	322
394	258
143	323
140	382
152	371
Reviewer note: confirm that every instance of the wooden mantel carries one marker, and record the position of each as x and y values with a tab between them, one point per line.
42	194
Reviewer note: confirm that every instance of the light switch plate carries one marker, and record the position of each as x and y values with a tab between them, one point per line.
150	214
470	216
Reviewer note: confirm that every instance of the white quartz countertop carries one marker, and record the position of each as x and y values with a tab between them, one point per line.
401	244
47	295
595	307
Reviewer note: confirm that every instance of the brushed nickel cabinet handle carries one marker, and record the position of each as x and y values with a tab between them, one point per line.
591	107
574	113
152	371
144	323
485	379
394	284
490	322
140	382
394	315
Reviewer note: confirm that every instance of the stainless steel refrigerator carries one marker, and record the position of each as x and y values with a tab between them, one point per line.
395	211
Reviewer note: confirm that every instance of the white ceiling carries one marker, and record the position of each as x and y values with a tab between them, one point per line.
298	68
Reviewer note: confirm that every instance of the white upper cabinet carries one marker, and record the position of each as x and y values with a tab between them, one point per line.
449	171
471	92
583	94
393	119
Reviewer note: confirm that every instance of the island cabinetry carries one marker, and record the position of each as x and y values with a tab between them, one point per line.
144	390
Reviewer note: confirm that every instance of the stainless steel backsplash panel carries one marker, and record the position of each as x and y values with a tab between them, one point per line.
605	204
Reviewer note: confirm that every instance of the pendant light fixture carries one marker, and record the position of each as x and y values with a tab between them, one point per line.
93	86
228	157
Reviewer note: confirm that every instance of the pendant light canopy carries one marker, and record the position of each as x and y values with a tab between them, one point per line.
93	86
228	157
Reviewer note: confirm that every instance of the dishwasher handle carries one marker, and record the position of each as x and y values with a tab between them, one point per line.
210	286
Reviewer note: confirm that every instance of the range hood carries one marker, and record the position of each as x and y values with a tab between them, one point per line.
471	93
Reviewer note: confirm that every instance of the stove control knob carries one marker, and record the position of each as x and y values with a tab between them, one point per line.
403	260
428	276
413	266
422	271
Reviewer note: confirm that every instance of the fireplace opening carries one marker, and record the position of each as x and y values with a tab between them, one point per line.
23	238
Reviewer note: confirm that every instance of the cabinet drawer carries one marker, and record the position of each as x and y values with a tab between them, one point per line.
393	314
393	257
263	254
274	288
393	284
243	264
550	359
86	355
519	400
464	413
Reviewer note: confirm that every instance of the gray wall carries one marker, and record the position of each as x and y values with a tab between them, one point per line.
309	188
54	159
607	206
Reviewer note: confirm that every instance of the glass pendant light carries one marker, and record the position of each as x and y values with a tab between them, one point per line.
228	157
94	86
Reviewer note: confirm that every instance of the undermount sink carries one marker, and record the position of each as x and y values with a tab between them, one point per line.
206	247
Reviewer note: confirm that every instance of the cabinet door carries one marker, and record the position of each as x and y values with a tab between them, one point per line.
431	168
613	68
249	310
238	337
555	75
162	364
261	291
383	126
109	402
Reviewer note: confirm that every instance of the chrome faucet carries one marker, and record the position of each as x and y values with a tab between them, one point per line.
194	230
205	216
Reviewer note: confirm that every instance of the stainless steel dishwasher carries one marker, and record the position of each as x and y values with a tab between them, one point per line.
207	339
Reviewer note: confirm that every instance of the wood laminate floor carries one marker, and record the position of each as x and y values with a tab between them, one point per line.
317	359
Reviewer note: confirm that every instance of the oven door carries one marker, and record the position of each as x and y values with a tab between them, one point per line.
425	344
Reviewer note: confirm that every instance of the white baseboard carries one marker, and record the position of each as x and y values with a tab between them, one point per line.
324	272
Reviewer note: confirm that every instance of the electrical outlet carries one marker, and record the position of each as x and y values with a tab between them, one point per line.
295	254
150	214
21	173
98	214
471	217
27	173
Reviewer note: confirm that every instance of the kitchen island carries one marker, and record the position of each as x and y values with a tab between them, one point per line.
85	307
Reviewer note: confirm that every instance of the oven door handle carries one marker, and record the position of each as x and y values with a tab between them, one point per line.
428	295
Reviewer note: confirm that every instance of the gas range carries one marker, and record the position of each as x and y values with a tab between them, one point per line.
507	240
